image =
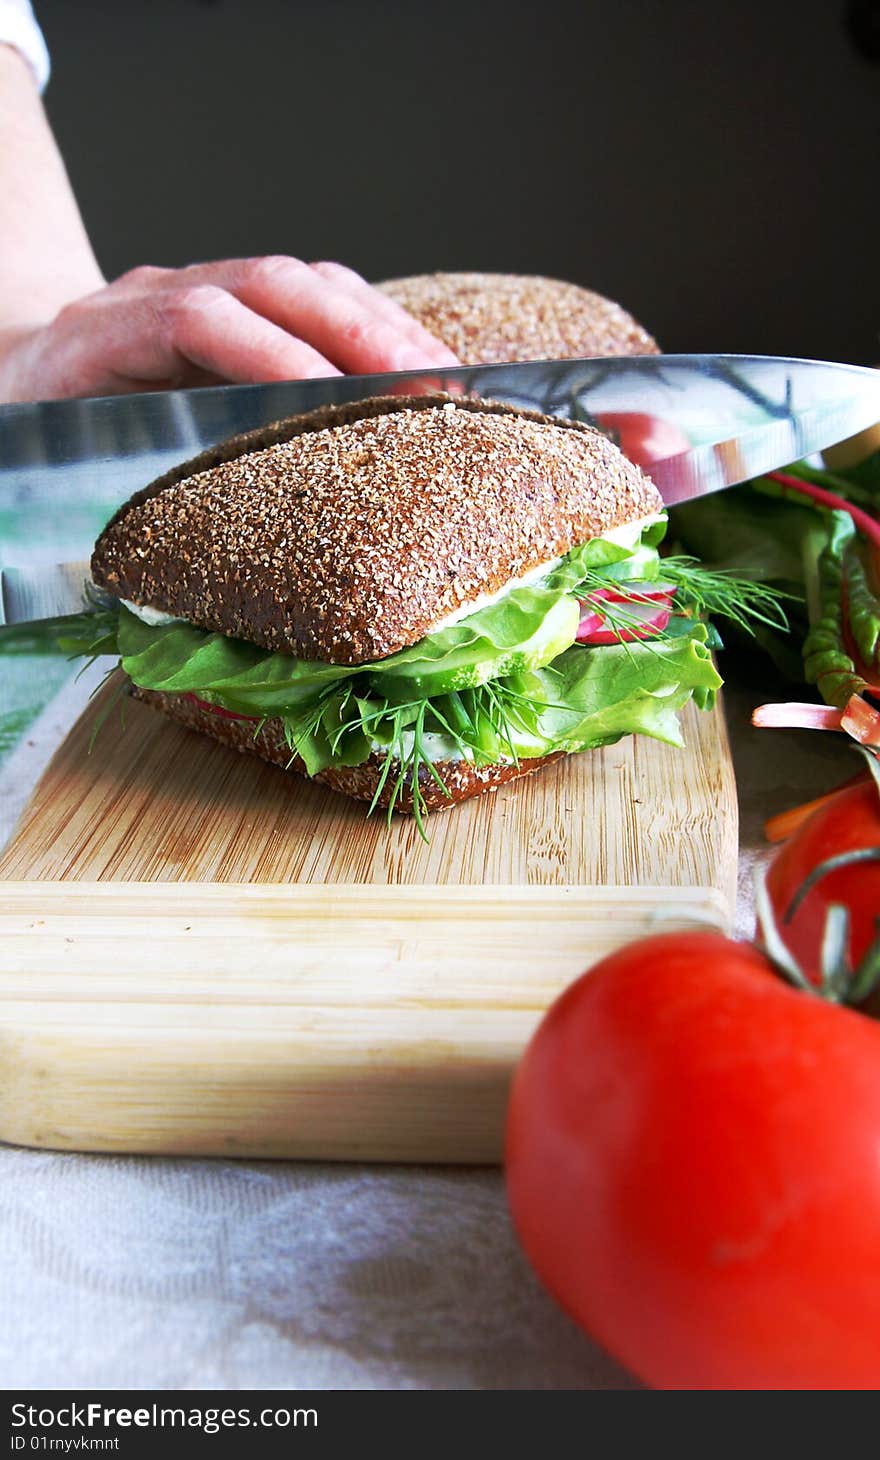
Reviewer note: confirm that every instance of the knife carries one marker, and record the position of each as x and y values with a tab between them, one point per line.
743	415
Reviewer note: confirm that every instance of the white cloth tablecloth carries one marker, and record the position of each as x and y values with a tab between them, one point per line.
123	1272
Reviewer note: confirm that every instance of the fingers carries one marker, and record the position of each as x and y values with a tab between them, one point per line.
395	314
128	337
242	320
211	329
338	314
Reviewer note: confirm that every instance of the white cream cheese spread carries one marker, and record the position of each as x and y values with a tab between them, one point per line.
154	617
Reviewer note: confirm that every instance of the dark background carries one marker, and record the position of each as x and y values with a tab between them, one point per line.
712	166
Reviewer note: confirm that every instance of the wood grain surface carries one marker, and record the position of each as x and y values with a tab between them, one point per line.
202	954
154	801
288	1020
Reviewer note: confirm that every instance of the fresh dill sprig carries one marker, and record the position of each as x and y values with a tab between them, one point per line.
496	713
407	749
403	730
698	591
721	594
417	758
117	698
298	732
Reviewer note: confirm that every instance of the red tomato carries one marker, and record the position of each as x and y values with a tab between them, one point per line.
845	822
641	437
693	1169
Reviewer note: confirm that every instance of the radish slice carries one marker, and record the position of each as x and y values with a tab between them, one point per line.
643	612
633	593
218	710
643	620
591	623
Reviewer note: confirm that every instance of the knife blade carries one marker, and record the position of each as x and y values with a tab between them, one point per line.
30	594
742	414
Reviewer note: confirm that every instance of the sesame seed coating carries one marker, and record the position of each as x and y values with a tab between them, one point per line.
348	542
490	318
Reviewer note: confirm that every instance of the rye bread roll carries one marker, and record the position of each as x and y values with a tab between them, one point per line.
347	534
460	778
490	318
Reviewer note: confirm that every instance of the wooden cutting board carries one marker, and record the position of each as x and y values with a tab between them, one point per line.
201	954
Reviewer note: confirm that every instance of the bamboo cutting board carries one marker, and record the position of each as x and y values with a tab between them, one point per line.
201	954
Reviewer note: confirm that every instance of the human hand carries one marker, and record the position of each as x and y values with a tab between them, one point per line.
271	318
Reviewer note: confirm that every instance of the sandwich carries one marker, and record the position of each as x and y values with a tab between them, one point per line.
491	318
409	599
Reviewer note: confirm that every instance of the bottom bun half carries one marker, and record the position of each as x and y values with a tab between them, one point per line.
459	777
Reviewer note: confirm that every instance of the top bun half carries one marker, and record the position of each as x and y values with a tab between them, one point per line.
490	318
348	533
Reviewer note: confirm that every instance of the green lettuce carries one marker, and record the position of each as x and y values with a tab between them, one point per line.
638	559
507	682
587	698
592	697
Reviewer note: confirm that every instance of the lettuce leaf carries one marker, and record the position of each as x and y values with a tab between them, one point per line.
528	628
637	560
507	682
179	659
592	697
527	631
589	697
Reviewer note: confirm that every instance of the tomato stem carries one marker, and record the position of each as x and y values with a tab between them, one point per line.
839	982
774	945
833	960
832	864
867	975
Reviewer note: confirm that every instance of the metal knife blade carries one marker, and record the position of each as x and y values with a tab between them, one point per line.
54	591
743	415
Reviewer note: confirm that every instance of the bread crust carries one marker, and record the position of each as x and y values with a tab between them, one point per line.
461	779
490	318
346	534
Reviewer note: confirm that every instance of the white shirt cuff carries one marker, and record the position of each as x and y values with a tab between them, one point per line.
18	28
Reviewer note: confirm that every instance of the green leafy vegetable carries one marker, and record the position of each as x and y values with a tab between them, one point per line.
814	534
91	633
863	604
592	697
526	629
